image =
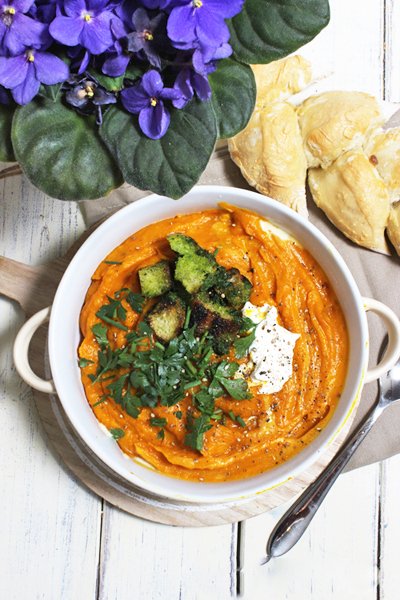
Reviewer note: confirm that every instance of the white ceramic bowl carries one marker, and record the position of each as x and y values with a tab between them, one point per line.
64	338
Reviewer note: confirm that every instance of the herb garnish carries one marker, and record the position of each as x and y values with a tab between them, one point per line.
236	418
112	262
156	422
117	433
196	430
84	362
242	344
148	373
100	333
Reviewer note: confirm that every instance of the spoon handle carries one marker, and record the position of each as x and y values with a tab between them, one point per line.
297	518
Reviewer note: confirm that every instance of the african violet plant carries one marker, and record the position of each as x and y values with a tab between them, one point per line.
95	92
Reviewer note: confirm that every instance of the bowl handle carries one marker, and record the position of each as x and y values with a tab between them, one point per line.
392	323
20	352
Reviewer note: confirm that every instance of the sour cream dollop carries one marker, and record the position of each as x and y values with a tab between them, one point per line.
271	353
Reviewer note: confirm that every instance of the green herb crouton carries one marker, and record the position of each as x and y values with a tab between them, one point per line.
233	287
193	270
195	265
156	279
208	314
167	317
183	244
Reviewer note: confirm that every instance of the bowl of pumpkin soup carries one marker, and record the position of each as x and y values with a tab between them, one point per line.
208	349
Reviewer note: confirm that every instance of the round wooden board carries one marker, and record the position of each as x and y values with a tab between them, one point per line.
33	288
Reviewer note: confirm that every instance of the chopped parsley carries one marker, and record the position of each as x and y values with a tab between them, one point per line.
242	345
117	433
147	373
135	301
84	362
236	419
156	422
196	429
100	333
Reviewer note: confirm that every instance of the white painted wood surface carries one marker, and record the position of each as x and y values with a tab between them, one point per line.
59	542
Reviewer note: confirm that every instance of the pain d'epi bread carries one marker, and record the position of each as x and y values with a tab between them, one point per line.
383	151
270	155
280	79
393	226
344	191
353	164
269	151
333	123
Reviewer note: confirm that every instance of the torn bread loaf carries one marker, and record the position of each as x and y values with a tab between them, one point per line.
393	227
383	151
280	79
333	123
355	198
269	152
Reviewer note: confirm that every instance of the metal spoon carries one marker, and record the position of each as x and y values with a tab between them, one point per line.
297	518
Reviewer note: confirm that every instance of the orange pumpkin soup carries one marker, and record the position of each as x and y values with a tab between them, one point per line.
236	438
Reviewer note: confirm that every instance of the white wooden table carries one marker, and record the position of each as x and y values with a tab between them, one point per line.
60	542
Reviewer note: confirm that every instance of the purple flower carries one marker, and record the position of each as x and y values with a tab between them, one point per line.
188	82
43	10
202	20
4	96
80	59
161	4
117	59
87	22
23	74
205	57
146	99
148	35
87	95
17	30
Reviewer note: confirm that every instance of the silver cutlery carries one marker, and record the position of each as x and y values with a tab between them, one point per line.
297	518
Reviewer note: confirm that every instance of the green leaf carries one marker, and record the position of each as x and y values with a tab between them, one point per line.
169	166
233	96
133	72
266	30
205	402
197	429
111	84
6	117
131	404
116	388
236	388
135	301
158	422
100	333
117	433
243	344
84	362
51	92
61	151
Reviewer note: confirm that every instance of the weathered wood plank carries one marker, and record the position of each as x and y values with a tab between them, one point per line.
162	562
49	526
336	556
392	51
389	573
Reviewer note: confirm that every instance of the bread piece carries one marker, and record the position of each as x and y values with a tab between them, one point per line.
270	154
383	150
393	228
280	79
335	122
354	198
